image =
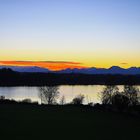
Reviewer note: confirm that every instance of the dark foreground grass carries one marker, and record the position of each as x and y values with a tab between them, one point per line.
21	122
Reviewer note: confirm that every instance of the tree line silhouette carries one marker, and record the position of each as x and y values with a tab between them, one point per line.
112	99
111	96
12	78
128	97
127	100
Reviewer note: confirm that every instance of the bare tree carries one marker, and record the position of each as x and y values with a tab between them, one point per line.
49	94
132	93
107	94
62	100
78	100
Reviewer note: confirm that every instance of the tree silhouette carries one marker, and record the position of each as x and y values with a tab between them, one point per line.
62	100
107	94
120	101
132	94
49	94
129	97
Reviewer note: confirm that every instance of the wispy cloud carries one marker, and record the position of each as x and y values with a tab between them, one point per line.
64	62
52	65
124	63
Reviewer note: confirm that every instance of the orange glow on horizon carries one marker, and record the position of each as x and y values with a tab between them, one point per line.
51	65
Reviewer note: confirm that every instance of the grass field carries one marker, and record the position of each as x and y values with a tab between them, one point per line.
23	122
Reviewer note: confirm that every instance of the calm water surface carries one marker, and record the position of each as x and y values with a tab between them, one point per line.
92	93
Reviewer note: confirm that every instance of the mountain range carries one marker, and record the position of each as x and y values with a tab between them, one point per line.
111	70
93	70
26	68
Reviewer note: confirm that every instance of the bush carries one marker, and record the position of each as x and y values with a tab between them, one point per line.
78	100
27	101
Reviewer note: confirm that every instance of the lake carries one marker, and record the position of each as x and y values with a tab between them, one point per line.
91	92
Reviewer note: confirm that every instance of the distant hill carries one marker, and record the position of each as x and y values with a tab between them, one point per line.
26	69
34	76
113	70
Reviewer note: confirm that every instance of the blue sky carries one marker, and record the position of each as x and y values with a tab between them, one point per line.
95	32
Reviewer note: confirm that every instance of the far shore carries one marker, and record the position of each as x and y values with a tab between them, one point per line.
11	78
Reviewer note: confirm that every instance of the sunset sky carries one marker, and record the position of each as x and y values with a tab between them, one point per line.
58	34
